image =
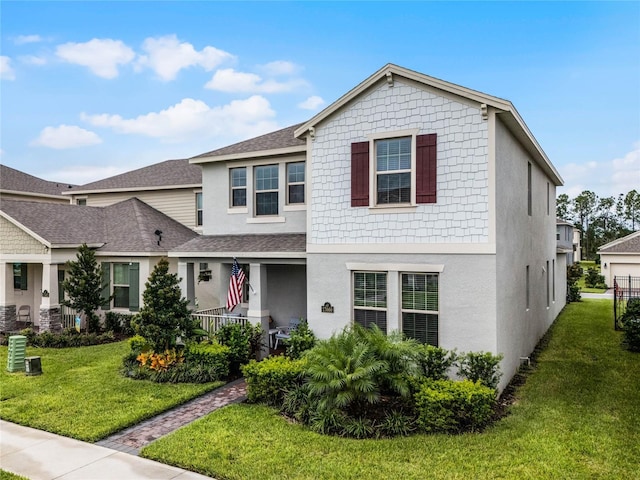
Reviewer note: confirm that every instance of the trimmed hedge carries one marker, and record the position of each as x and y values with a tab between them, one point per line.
68	338
449	407
268	380
213	357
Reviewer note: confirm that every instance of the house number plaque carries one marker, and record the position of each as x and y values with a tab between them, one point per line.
327	308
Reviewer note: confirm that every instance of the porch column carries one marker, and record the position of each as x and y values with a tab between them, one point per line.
49	306
7	303
258	312
185	273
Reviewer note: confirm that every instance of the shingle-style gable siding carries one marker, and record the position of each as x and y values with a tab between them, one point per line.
15	241
460	214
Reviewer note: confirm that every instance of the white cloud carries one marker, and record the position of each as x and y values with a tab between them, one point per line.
6	72
66	136
101	56
311	103
195	119
22	39
167	56
228	80
280	67
32	60
604	178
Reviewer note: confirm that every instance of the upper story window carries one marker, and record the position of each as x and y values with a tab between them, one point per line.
81	201
238	179
198	209
403	170
295	182
393	171
266	184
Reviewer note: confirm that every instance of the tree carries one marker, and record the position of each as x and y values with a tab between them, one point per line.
83	286
632	208
584	205
165	314
563	207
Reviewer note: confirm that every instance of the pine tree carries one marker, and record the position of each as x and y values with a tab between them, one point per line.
165	314
83	286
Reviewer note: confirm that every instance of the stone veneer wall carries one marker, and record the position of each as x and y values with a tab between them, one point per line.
461	212
8	318
50	320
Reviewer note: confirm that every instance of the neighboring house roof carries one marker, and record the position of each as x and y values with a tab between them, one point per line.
275	143
505	109
167	174
560	221
628	244
266	245
15	181
127	226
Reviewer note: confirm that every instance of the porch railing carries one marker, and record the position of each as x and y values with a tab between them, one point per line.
212	319
67	317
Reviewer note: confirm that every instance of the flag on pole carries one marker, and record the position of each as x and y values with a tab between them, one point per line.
236	281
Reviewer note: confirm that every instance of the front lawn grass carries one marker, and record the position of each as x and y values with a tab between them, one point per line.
577	416
82	395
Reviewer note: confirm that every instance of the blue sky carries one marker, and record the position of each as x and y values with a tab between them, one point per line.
92	89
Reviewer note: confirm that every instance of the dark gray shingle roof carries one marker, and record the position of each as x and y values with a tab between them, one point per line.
163	174
15	180
279	139
275	242
628	244
127	226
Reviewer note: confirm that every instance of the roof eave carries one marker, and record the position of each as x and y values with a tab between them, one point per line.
276	152
33	194
132	189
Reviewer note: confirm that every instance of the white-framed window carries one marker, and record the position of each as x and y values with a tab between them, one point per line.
266	190
121	285
20	276
238	182
419	307
199	209
81	201
393	171
295	182
370	299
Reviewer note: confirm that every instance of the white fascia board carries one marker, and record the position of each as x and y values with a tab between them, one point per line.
395	267
276	152
134	189
25	257
29	232
237	254
76	245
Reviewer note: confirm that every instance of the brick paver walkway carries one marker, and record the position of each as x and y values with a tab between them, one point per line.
132	439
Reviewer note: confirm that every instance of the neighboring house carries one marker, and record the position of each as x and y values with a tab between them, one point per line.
173	187
565	237
620	258
37	239
410	203
17	185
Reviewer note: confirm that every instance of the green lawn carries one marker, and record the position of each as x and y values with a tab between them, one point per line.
81	393
4	475
577	416
587	265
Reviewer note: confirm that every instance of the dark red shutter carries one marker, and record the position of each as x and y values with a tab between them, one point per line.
426	168
360	174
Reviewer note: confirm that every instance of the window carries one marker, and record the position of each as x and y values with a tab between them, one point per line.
121	285
393	171
238	187
81	201
548	294
295	182
420	307
198	209
60	282
529	188
20	276
370	299
548	199
527	285
553	277
266	190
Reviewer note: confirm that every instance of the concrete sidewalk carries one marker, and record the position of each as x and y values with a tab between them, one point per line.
40	455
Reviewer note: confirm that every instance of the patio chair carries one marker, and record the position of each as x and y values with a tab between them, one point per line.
24	314
284	332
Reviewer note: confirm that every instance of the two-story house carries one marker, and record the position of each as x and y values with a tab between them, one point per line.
410	203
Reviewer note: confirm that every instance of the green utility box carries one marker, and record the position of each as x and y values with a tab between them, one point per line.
16	353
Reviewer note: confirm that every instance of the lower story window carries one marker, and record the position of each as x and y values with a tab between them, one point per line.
121	285
370	299
420	307
20	276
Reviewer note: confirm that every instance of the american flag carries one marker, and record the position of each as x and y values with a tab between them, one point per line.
236	281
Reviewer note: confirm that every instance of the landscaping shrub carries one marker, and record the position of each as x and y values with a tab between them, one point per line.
302	339
212	357
451	407
574	273
139	344
244	341
118	323
435	361
480	366
593	279
268	380
68	338
397	423
631	334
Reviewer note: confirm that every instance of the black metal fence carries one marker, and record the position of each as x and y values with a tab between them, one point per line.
624	288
